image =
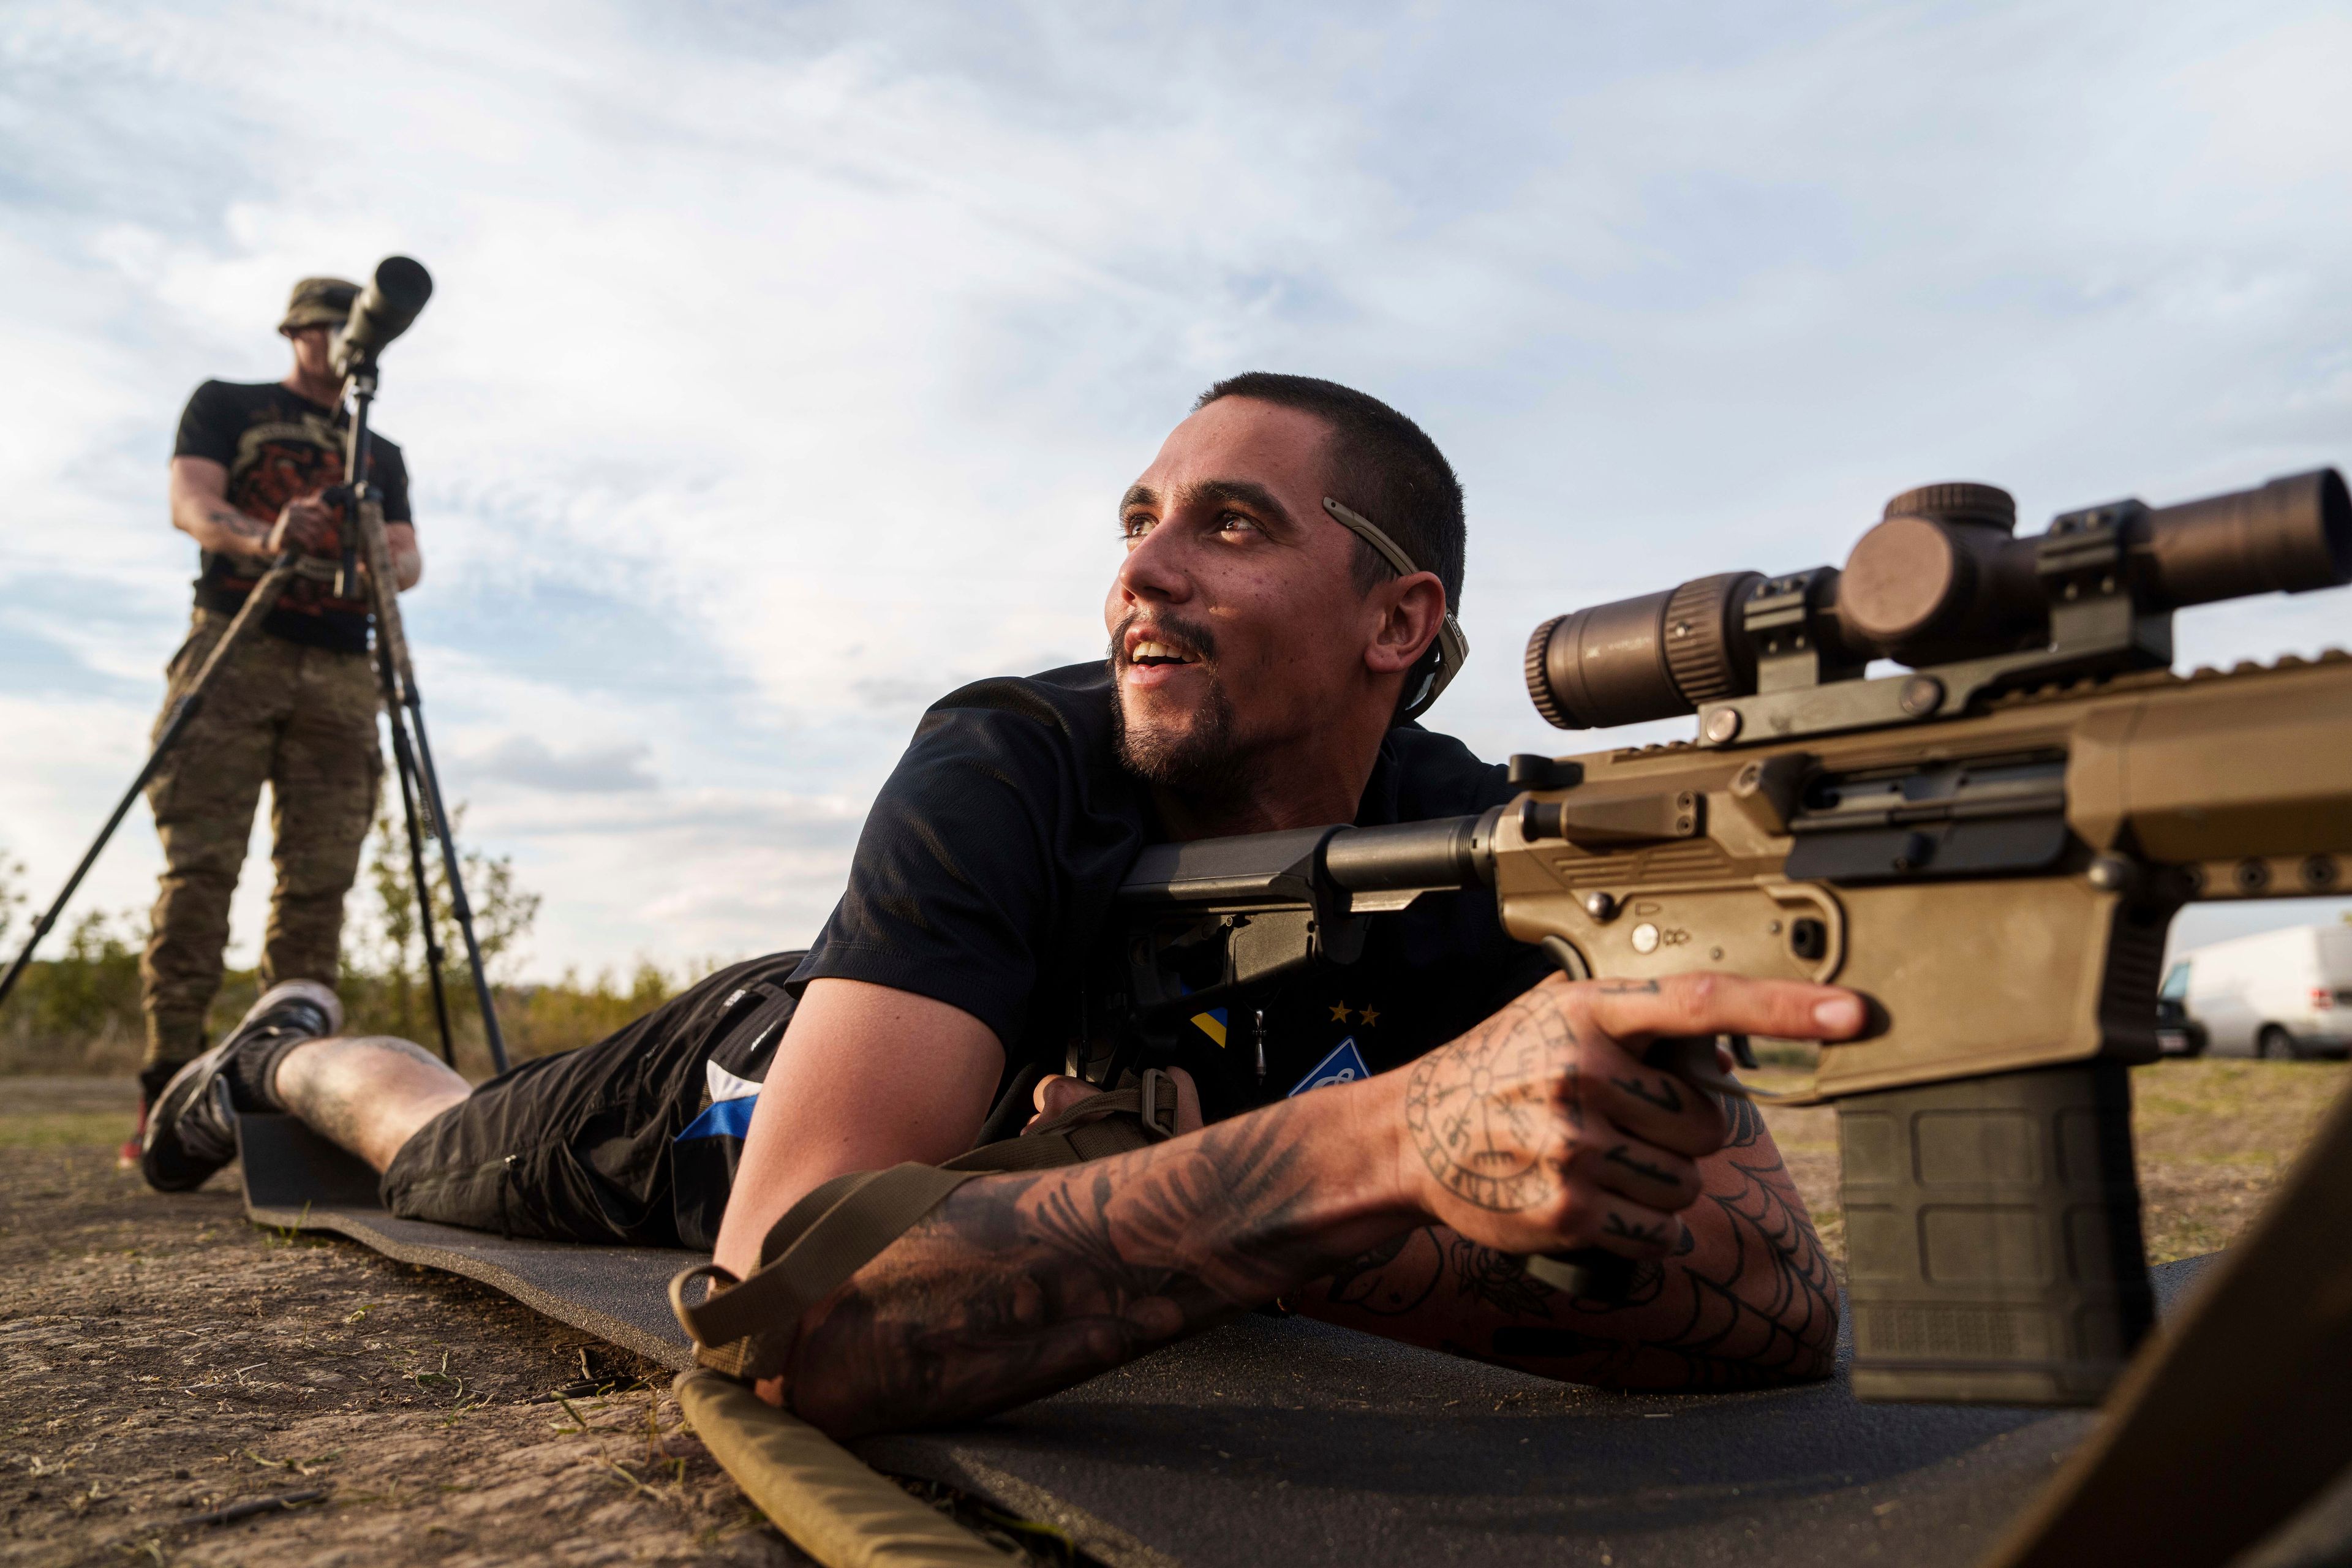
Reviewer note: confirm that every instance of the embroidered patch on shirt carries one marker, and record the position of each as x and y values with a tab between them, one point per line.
1344	1065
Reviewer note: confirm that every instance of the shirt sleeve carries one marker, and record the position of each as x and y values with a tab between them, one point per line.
951	892
390	470
210	425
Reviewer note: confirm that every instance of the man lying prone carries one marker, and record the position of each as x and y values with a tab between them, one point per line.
1263	650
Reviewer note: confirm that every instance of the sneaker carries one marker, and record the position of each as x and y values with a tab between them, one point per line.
152	1079
190	1130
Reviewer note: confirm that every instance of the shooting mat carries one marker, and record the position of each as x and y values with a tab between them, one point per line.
1293	1442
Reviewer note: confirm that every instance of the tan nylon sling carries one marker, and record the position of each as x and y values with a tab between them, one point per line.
819	1493
745	1328
834	1507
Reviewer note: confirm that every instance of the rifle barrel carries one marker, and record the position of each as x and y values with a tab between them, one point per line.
1447	852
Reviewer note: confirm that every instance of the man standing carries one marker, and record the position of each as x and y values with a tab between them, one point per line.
295	704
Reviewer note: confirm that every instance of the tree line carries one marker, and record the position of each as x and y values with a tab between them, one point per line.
77	1010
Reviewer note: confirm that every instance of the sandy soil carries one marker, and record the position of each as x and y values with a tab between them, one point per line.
160	1359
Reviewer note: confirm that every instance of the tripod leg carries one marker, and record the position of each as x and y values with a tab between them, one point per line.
392	643
458	907
256	604
405	764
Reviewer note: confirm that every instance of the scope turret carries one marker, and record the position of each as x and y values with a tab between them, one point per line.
1940	578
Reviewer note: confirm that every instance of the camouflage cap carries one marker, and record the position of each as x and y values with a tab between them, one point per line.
319	302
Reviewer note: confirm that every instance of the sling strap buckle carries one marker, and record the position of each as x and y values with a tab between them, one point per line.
1157	1103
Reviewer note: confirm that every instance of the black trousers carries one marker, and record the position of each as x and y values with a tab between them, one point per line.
582	1146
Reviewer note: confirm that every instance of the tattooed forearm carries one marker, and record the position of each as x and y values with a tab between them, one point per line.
1618	1225
1497	1278
246	535
1749	1300
1019	1285
1395	1276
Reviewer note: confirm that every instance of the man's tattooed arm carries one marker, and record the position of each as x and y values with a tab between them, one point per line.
1534	1132
1019	1285
200	507
1747	1300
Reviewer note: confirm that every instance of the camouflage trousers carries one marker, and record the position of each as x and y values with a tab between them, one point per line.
303	720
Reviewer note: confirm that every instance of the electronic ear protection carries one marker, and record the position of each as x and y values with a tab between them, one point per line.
1428	679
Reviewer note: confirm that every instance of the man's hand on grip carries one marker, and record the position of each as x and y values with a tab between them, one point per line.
309	524
1542	1129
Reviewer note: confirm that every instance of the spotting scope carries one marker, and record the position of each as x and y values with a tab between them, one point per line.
1942	579
382	311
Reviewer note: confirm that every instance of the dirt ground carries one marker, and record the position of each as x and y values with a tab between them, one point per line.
161	1359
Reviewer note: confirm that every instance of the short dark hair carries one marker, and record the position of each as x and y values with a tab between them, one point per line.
1382	465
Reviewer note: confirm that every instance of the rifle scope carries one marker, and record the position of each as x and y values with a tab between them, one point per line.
1939	578
383	309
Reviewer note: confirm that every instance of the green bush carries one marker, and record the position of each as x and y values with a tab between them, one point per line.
77	1012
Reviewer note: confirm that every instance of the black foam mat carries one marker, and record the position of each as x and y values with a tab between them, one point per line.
295	1180
1294	1442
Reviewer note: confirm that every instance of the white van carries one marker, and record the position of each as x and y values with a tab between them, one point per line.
2275	993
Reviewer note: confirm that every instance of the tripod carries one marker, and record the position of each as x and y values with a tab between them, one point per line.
403	709
420	785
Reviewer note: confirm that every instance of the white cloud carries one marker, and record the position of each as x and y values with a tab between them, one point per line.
786	365
589	769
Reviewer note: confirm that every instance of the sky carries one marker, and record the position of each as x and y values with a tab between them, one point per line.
787	362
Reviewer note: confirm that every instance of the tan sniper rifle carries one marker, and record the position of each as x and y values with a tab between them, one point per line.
1989	849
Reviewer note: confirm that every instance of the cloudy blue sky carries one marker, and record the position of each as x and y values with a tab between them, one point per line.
788	360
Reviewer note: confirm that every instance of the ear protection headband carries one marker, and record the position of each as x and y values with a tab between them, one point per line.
1438	667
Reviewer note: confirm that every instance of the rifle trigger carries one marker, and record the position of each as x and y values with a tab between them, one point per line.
1692	1058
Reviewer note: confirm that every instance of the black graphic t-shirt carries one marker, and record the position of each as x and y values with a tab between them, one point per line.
987	871
279	446
986	875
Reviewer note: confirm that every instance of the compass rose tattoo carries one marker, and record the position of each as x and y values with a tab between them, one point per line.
1481	1111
